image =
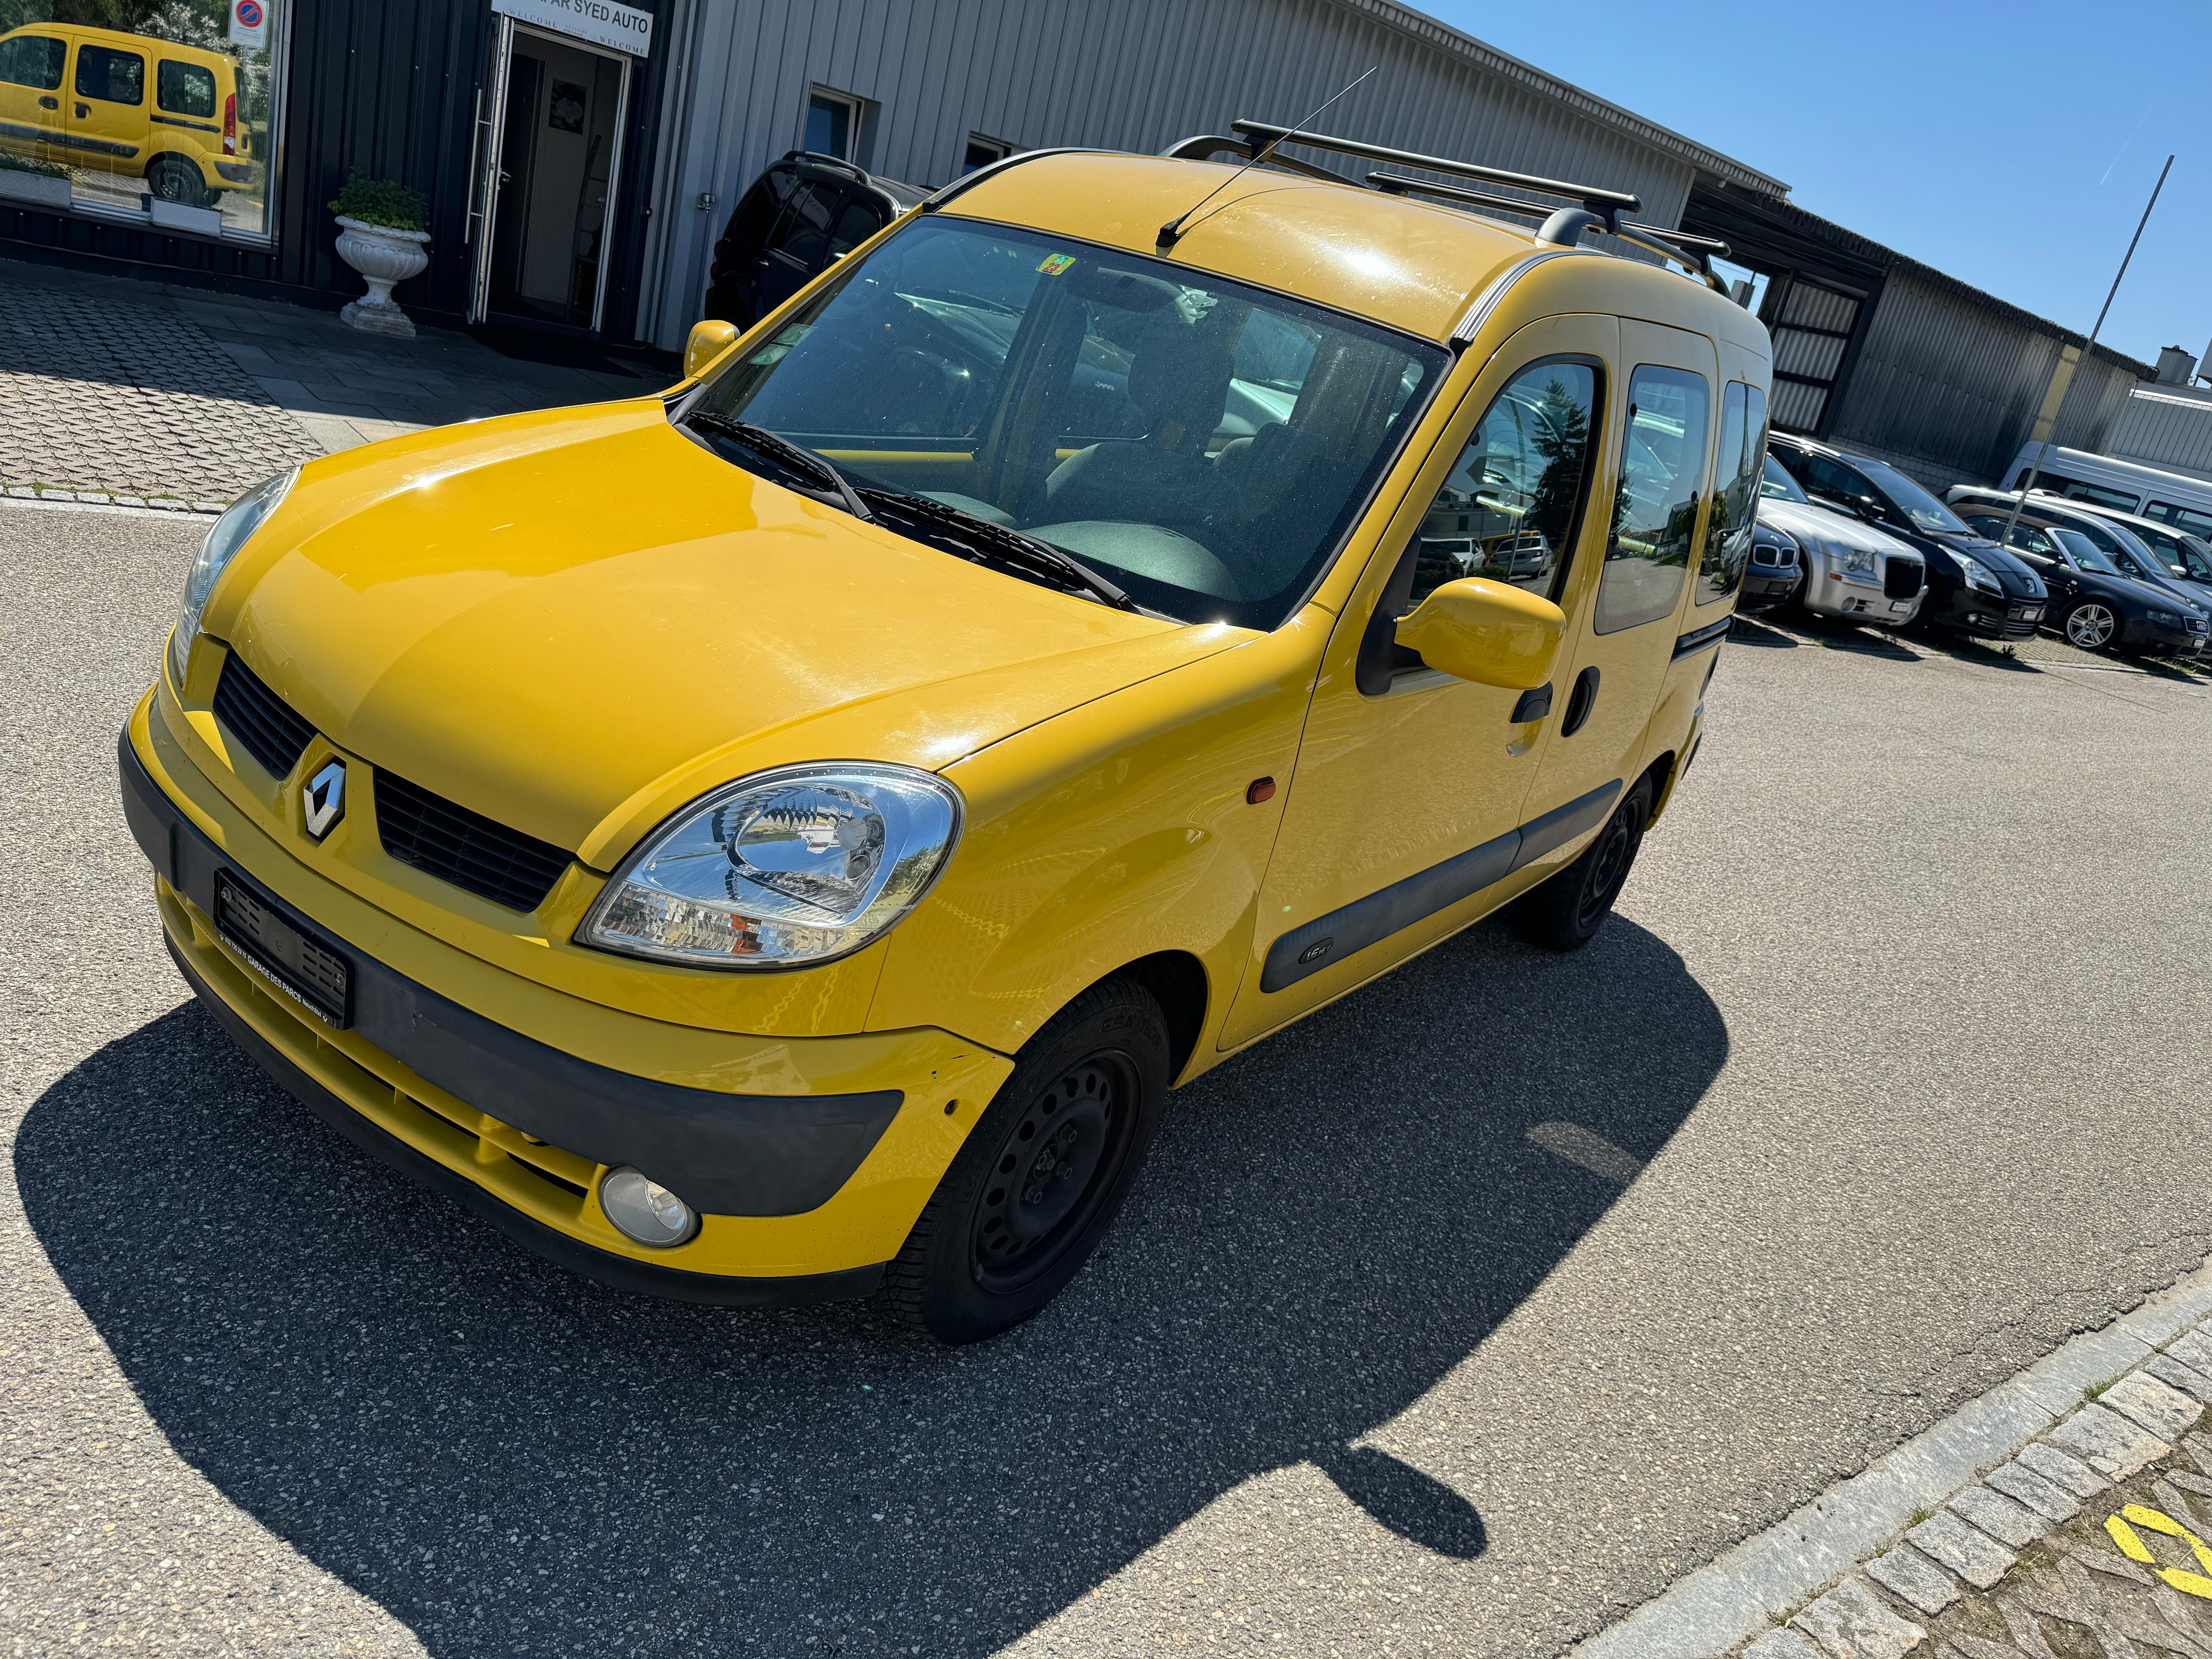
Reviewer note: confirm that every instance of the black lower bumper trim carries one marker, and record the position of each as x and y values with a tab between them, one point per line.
619	1272
724	1154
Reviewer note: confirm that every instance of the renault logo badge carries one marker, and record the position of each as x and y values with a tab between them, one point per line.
325	798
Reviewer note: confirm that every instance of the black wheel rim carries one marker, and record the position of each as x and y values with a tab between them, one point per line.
1053	1171
1607	870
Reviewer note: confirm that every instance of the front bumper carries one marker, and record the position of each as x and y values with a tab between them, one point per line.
804	1193
1988	617
1763	588
2159	639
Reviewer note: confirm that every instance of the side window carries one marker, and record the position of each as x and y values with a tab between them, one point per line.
185	89
860	220
1736	473
32	60
1509	507
1826	481
2197	524
755	211
2116	499
1655	507
115	77
803	233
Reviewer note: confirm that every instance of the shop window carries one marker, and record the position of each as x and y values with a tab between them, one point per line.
190	151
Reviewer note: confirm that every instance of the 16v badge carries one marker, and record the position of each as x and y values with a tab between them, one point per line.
325	798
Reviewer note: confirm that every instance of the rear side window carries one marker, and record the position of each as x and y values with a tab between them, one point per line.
859	220
803	233
185	89
755	214
1736	473
2118	500
32	60
2197	524
1508	509
114	77
1655	505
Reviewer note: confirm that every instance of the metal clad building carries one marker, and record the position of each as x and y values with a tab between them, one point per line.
925	78
1877	353
2165	426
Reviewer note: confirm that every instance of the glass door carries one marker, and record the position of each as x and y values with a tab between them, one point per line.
549	145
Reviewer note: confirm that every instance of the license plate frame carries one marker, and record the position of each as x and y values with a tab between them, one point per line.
288	956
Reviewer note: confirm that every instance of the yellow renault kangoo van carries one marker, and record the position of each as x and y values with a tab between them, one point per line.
126	104
783	838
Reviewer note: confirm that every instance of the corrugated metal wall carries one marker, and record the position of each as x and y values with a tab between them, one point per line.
1948	383
1122	74
2164	428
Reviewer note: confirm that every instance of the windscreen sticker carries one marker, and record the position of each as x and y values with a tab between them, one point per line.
1055	262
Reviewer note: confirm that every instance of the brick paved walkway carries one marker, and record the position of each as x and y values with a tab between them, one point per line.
142	392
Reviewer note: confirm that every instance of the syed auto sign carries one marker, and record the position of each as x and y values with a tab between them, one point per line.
600	22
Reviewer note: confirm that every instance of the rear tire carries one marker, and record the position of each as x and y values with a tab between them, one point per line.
173	179
1039	1179
1566	911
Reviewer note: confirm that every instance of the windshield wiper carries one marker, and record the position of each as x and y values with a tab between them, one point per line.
778	448
997	544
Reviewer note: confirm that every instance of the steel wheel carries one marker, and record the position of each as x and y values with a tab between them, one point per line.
1054	1168
1607	870
2091	626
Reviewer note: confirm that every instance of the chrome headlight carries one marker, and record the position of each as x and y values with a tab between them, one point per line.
217	549
1979	574
1858	561
784	869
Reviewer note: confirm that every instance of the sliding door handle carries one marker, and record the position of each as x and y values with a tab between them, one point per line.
1580	701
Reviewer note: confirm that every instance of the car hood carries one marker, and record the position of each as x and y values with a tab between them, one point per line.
1819	524
575	622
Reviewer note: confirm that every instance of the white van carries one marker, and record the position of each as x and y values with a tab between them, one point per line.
2173	498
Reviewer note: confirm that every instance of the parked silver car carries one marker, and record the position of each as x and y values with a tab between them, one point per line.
1847	568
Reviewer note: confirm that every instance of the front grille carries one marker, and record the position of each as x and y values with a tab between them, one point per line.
260	718
451	843
1902	578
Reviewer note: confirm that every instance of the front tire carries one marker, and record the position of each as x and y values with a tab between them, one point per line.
2092	625
1039	1179
1564	912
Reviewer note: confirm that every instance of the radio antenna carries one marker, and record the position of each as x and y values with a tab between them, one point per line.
1172	232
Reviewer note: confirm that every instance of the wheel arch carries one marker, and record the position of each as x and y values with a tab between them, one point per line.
1178	983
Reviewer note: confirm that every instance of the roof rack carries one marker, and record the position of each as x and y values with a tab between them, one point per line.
1607	204
1214	143
1567	225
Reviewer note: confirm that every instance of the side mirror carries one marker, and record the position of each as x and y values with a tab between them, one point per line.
708	341
1869	508
1484	631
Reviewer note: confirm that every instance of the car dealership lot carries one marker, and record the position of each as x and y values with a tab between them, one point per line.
1395	1349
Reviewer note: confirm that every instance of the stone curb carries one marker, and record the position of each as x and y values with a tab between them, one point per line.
1821	1548
35	492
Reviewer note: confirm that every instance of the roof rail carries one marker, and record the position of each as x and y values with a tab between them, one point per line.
1209	144
1565	226
966	181
1607	205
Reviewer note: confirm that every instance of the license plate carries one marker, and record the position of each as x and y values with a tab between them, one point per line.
318	980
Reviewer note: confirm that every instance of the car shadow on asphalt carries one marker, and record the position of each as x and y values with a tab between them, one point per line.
506	1457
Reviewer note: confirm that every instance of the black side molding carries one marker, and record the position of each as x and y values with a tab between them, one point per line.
1328	939
1711	633
724	1154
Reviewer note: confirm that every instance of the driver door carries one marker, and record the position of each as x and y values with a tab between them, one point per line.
1403	818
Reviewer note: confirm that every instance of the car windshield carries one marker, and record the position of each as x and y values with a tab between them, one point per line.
1909	499
2083	552
1777	485
1204	445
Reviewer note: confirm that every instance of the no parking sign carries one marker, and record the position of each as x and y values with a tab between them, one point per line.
249	24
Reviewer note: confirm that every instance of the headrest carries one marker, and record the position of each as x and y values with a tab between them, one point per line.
1181	380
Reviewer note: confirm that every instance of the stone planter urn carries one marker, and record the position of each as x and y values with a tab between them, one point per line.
383	256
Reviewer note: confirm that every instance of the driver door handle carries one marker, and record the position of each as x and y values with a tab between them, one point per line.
50	103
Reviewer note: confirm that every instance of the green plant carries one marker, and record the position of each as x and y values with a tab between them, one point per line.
43	169
382	201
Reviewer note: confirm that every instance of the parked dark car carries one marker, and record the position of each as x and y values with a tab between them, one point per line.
2092	607
1974	586
1773	574
792	222
2140	548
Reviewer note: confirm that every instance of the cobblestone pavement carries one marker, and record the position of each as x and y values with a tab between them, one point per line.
2089	1544
134	392
130	400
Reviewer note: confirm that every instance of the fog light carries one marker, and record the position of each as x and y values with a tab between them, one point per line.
646	1210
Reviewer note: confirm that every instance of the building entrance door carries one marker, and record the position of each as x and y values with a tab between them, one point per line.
548	148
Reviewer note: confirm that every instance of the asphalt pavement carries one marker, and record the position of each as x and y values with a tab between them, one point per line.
1461	1318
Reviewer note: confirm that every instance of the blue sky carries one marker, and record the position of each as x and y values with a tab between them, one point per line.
2012	146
